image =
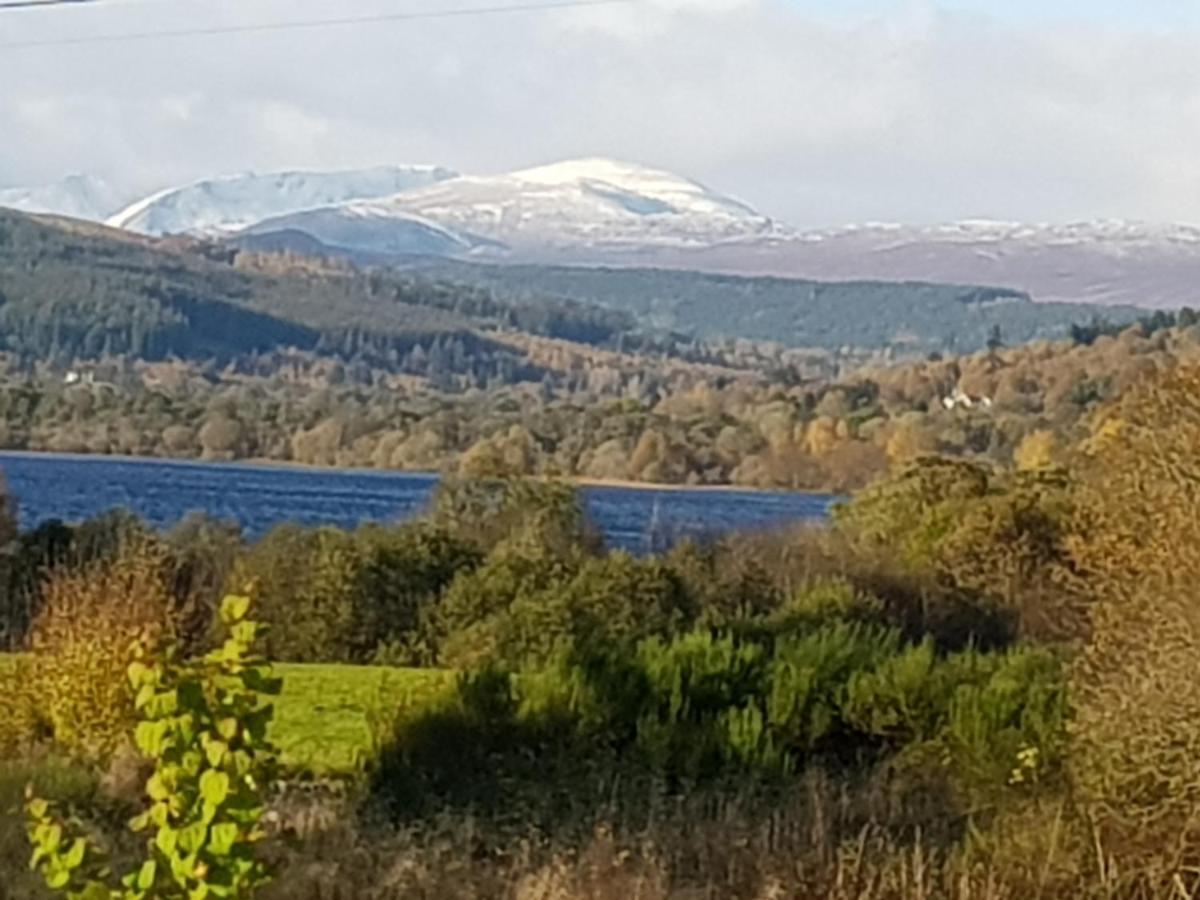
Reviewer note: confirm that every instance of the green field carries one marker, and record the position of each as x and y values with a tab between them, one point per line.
327	715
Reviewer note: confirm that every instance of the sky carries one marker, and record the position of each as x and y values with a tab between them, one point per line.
818	112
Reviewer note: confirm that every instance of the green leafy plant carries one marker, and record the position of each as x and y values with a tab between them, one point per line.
204	725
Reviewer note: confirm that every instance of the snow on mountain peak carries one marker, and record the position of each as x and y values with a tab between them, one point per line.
232	203
77	196
585	204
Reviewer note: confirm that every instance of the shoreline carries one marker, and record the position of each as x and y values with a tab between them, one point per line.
430	474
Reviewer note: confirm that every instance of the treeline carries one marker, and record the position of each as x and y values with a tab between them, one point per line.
905	318
592	413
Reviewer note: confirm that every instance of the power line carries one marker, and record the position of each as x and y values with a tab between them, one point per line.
35	4
340	22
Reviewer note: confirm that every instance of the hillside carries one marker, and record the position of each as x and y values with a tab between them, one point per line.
906	317
72	291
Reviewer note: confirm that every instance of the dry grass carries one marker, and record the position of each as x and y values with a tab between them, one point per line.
820	842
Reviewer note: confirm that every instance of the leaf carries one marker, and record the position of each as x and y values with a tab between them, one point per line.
156	789
245	633
234	609
167	840
73	858
58	880
214	787
145	879
138	673
222	838
38	808
215	751
162	704
256	680
192	838
150	737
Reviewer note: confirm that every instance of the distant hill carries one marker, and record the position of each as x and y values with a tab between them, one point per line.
74	290
71	290
1153	266
909	317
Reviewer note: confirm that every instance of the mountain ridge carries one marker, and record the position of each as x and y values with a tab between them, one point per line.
596	211
226	204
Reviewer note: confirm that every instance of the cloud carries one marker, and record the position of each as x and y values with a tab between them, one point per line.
915	113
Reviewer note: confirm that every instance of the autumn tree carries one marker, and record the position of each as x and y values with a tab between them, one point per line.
1137	684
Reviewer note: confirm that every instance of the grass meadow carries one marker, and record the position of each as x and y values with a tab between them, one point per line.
327	717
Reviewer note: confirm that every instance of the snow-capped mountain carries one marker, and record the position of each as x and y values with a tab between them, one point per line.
589	206
225	205
77	196
1111	262
601	211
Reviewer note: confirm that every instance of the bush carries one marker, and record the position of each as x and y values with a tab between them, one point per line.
1136	686
912	512
22	725
526	606
338	596
809	680
489	511
508	611
83	640
203	723
825	600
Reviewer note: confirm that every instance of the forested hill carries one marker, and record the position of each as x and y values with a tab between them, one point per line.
906	317
70	291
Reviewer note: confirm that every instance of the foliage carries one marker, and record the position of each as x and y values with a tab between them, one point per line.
488	511
524	606
1135	687
204	725
336	596
914	511
21	720
83	640
994	544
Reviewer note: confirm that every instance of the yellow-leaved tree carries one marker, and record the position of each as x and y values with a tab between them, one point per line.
1136	685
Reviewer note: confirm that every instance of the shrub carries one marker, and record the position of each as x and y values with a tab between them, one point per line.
525	606
810	677
1005	725
701	712
488	511
34	555
203	723
400	580
83	640
21	723
305	578
911	513
1136	686
724	585
337	596
825	600
484	612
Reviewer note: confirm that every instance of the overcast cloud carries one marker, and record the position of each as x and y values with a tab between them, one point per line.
901	112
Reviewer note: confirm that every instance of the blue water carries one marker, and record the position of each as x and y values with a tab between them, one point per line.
258	497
